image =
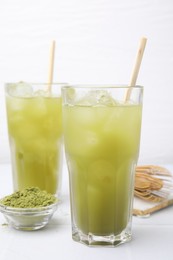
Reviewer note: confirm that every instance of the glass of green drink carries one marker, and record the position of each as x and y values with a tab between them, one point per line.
102	136
34	116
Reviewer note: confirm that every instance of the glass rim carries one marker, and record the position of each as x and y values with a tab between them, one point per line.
9	87
9	209
36	83
102	86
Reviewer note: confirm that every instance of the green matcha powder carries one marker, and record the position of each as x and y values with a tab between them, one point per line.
31	197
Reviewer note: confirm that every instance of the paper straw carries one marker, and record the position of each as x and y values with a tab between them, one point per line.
136	66
51	65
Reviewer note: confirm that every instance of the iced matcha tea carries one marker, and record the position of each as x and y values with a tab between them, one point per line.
102	136
34	117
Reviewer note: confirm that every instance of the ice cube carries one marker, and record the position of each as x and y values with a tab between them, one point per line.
97	97
21	89
104	98
42	93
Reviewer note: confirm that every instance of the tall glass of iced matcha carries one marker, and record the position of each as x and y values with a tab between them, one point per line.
102	136
34	115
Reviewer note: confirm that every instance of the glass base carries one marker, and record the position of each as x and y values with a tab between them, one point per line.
107	241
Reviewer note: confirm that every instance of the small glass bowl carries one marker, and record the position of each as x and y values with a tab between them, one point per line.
28	218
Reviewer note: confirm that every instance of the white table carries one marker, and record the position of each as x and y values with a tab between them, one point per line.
152	236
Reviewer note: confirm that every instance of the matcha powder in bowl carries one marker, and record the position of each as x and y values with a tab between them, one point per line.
28	209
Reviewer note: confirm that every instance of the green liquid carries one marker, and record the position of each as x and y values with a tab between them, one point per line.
35	134
102	150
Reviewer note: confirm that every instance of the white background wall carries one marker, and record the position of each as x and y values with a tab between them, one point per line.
97	42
